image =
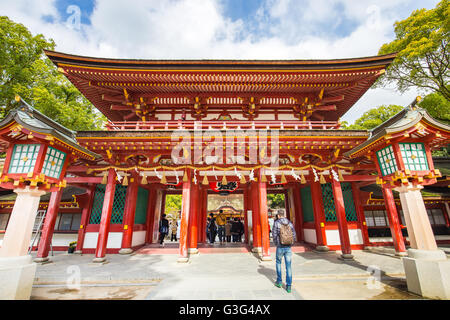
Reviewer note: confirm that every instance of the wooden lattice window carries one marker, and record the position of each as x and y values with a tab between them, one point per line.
414	156
53	163
329	206
118	204
24	158
386	160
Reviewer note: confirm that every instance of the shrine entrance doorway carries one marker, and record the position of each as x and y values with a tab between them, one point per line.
232	207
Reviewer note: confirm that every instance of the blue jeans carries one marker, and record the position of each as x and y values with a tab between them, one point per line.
285	252
221	232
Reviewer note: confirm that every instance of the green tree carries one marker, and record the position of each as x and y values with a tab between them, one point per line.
437	106
374	117
173	204
276	200
422	44
26	71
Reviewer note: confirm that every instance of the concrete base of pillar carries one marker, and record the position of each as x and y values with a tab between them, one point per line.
322	249
266	258
346	257
125	251
182	260
43	260
77	252
192	250
16	277
99	260
257	249
428	273
401	254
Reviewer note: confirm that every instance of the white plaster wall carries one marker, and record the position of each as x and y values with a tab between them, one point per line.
58	240
266	117
63	239
138	238
286	117
310	235
166	116
354	235
114	240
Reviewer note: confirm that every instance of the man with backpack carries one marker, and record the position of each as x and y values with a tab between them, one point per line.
283	237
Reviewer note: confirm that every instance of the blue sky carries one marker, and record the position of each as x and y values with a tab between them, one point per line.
222	29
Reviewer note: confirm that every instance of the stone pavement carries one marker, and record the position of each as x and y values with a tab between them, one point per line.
231	276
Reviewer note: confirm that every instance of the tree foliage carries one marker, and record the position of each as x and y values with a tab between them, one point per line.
374	117
173	204
26	71
437	106
275	200
422	43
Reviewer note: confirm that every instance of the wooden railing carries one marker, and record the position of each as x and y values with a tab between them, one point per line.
221	125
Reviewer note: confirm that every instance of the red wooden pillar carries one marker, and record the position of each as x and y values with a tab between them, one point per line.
341	219
87	203
193	218
185	210
360	214
151	207
256	224
298	212
105	220
446	212
129	214
319	216
49	226
264	220
394	223
246	208
202	212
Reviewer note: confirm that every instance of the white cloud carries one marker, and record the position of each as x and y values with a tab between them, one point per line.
198	29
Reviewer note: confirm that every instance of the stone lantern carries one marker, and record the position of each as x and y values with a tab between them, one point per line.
401	151
38	151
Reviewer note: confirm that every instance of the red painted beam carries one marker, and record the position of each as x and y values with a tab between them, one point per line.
130	210
394	223
262	195
319	214
74	180
85	214
185	210
49	225
105	220
341	218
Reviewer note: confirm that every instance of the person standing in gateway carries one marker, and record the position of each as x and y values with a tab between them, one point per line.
283	237
221	221
163	229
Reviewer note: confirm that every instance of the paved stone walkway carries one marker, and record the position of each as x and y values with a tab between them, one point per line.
238	276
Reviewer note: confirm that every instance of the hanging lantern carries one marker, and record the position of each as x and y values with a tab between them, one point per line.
242	179
224	180
185	177
205	181
144	180
283	178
